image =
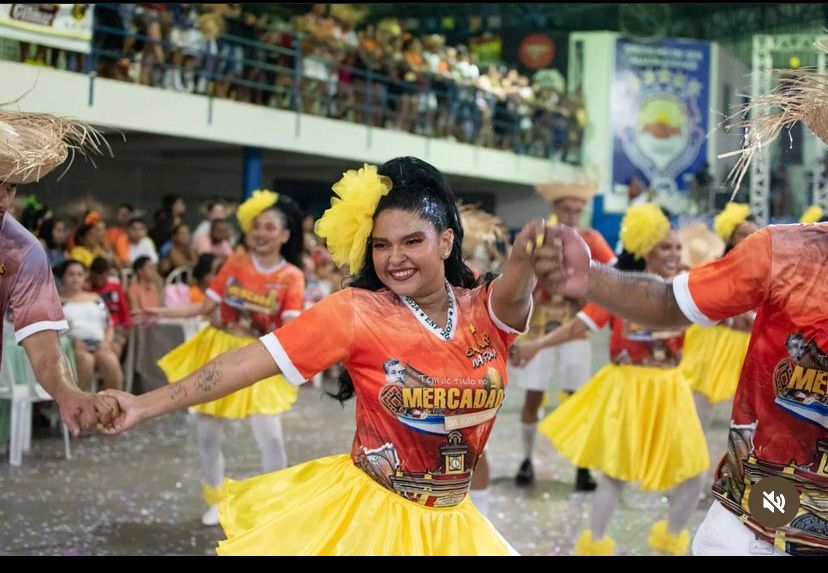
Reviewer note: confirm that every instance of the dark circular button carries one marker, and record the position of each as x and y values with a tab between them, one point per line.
773	501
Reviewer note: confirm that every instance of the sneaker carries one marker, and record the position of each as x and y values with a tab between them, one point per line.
526	473
211	516
584	481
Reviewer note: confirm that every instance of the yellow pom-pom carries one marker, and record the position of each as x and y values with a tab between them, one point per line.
731	217
586	547
348	223
259	201
812	214
643	227
662	540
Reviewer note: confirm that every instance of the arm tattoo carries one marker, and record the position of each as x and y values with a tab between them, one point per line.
209	377
179	392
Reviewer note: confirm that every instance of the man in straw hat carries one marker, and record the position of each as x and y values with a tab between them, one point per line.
569	363
779	421
32	145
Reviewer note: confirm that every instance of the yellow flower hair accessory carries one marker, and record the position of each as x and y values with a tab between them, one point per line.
812	214
348	223
643	227
260	201
731	217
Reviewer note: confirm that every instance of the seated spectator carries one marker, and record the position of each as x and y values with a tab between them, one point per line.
116	235
140	245
53	238
217	241
216	210
90	329
146	290
182	294
109	288
87	247
181	252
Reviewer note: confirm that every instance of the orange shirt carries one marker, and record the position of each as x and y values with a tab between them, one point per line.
257	298
634	344
783	388
426	397
551	311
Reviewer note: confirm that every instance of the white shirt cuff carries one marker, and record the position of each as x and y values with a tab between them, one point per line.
502	325
681	290
34	328
213	295
282	360
584	317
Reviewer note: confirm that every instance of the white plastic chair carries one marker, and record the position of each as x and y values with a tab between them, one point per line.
179	275
18	384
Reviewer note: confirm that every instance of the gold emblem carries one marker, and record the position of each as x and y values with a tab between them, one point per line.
2	269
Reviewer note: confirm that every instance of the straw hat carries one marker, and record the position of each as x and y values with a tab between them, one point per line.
34	144
801	95
583	189
699	245
481	233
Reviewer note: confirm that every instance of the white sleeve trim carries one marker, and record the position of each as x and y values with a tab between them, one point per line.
681	289
213	295
584	317
34	328
503	326
291	313
282	360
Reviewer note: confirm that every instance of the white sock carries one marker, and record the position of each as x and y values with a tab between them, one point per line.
527	434
480	498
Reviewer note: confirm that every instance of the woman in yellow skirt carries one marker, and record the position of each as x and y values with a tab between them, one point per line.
634	420
712	356
254	293
424	348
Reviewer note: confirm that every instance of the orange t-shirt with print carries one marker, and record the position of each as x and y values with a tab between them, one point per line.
633	344
426	396
255	297
780	410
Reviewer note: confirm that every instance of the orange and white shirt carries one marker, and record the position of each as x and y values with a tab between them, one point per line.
426	396
780	410
633	344
551	311
257	297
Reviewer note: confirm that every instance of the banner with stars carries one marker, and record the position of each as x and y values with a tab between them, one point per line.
659	102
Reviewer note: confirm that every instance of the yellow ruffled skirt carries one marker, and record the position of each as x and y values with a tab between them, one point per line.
329	506
272	395
712	360
633	423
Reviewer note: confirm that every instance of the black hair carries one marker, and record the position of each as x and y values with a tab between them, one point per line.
291	216
419	188
82	231
47	229
61	268
168	201
134	220
30	217
140	263
204	266
730	245
627	262
99	266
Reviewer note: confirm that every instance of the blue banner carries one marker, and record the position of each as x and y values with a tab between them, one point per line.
659	110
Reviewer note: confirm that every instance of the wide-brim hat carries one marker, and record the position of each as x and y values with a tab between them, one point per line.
32	145
583	189
480	227
699	245
800	95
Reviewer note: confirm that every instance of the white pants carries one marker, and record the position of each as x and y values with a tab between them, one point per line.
721	533
569	364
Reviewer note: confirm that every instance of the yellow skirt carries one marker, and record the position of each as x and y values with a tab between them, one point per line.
632	423
329	506
269	396
712	360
